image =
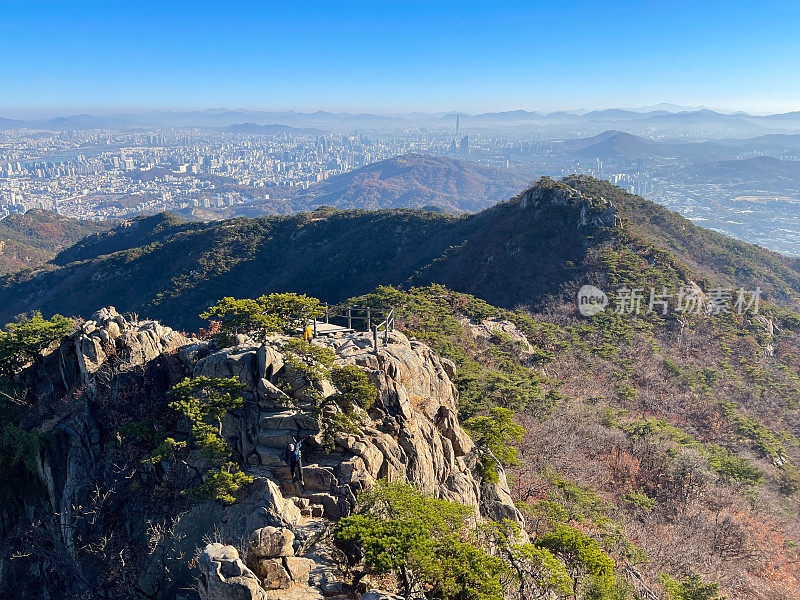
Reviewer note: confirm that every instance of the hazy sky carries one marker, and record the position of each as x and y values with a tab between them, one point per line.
400	56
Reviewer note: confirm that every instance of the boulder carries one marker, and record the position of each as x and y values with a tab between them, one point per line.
192	353
271	572
299	568
104	315
237	363
113	329
223	576
90	355
103	335
241	339
271	542
269	396
269	362
328	502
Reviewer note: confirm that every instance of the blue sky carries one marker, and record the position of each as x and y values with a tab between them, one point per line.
400	56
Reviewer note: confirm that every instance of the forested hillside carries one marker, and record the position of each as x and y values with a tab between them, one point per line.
672	441
31	239
544	243
416	181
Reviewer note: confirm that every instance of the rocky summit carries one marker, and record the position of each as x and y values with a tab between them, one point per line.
109	518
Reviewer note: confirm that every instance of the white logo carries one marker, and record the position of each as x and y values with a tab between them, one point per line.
591	300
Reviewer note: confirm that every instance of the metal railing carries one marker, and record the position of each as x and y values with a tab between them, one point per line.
353	315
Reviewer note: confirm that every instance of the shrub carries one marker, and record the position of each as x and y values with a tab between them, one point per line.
692	588
789	480
581	552
537	573
399	529
354	387
164	451
222	482
430	543
765	441
638	500
22	340
284	313
732	466
204	402
494	435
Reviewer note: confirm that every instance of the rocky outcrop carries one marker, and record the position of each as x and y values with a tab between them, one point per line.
118	370
411	433
223	576
108	341
589	215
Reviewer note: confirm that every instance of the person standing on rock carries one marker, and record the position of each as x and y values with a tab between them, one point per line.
294	453
308	333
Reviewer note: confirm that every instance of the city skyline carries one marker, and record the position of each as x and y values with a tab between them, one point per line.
400	57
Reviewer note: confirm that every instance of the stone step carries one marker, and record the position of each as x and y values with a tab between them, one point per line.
281	438
318	478
288	419
308	509
271	457
329	503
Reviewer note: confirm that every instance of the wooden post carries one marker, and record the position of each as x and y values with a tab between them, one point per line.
386	333
349	317
326	313
375	338
315	326
369	318
391	312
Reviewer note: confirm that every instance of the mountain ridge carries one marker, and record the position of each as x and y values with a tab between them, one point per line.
543	243
413	181
671	120
35	237
409	180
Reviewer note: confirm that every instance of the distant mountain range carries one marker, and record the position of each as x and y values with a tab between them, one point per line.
255	129
610	144
405	181
541	244
416	181
37	236
666	120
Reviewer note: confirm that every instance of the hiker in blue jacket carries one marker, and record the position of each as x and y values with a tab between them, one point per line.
294	454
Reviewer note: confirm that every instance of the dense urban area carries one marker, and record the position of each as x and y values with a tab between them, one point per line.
98	174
